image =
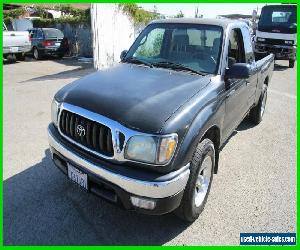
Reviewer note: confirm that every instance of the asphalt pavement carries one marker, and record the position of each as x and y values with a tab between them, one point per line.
254	190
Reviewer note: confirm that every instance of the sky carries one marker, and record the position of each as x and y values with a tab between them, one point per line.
208	10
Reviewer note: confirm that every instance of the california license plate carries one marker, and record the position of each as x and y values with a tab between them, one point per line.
77	176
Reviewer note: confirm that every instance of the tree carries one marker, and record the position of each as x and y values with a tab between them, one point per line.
179	14
197	15
155	9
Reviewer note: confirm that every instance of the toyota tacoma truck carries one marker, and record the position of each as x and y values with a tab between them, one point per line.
146	134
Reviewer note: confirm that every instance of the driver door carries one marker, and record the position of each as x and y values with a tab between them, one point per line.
236	103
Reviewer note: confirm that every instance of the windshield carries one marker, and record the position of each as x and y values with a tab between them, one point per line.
191	46
278	16
53	33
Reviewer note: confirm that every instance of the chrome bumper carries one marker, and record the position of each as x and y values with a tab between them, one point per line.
16	49
159	189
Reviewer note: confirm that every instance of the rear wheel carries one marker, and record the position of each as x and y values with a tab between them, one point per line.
257	112
36	54
60	56
291	63
199	183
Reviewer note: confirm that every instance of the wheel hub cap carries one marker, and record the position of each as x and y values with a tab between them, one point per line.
263	104
203	181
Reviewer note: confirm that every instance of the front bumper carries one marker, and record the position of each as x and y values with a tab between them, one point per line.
281	52
165	190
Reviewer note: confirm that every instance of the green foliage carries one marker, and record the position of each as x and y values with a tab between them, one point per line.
69	10
71	15
40	12
139	16
15	13
47	22
179	14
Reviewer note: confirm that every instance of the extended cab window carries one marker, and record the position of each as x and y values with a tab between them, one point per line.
195	46
236	51
248	45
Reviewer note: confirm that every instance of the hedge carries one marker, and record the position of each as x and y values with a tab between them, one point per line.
76	16
139	16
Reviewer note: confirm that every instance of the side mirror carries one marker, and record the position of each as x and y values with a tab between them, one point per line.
238	71
123	54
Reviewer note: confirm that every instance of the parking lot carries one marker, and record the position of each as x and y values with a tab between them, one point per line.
254	191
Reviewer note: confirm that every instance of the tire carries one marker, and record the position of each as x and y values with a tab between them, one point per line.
11	58
291	63
257	112
60	56
195	194
20	57
36	54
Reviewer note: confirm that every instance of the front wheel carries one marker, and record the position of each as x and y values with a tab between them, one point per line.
199	183
258	111
291	63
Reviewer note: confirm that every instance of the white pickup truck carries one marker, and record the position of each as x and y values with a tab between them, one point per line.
15	43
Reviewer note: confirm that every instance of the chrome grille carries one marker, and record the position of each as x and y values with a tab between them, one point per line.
93	135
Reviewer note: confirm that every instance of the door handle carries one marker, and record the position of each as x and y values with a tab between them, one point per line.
230	93
13	34
247	83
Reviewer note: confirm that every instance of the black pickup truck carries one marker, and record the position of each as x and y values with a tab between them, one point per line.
146	134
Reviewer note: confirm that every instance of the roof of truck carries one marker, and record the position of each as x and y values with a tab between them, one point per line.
209	21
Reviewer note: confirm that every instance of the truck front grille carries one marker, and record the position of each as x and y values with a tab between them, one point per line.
274	41
93	135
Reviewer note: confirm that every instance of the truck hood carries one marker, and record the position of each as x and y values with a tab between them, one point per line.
136	96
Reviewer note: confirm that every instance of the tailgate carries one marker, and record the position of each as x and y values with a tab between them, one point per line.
15	38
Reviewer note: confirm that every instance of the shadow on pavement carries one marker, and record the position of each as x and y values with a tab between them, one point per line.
278	67
81	70
245	124
41	207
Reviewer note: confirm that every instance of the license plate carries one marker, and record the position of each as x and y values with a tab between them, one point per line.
77	176
14	49
57	44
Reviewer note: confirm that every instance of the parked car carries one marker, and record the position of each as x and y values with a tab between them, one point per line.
146	134
48	41
15	43
277	32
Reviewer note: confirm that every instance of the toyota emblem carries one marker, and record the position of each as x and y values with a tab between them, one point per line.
80	130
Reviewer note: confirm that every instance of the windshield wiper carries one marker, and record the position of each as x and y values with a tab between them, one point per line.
176	66
137	61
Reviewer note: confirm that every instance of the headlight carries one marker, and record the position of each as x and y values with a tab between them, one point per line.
288	42
54	111
260	39
151	149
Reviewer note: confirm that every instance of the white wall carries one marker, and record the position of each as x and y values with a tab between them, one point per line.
113	31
